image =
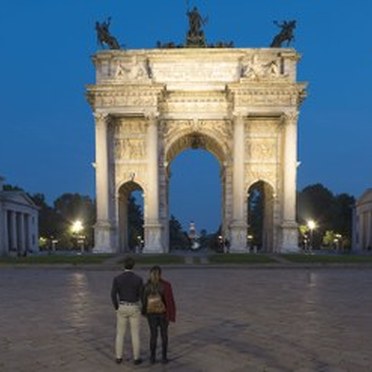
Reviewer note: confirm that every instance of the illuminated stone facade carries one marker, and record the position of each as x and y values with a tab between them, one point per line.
241	105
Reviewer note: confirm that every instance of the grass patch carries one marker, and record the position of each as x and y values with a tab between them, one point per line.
306	258
57	259
237	258
157	259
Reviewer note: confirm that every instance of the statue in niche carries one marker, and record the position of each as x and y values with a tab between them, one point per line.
104	36
285	34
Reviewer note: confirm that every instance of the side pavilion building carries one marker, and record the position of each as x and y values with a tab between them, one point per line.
18	223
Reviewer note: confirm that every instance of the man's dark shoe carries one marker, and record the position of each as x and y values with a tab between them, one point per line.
137	361
118	360
165	360
152	360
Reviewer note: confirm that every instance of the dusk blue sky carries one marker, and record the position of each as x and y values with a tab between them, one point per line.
47	129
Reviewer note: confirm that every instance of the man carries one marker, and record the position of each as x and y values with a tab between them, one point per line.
126	293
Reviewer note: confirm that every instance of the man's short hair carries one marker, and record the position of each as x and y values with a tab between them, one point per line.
129	263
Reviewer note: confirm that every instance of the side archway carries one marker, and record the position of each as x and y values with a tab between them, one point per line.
130	219
260	216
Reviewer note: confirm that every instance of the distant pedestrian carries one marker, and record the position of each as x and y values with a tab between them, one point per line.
159	307
126	294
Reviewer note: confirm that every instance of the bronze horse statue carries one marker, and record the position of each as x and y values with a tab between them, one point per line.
286	34
104	36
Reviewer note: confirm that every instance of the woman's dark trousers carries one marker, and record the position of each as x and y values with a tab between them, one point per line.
158	321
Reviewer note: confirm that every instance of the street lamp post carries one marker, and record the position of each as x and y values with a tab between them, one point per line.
76	228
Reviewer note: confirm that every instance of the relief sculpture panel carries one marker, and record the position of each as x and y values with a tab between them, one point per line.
261	150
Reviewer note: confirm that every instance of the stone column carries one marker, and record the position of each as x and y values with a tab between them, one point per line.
289	241
6	233
13	231
103	230
238	227
153	227
28	230
368	232
3	229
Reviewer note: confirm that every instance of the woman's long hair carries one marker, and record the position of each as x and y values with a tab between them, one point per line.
154	279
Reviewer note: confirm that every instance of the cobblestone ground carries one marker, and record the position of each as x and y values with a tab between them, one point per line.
228	320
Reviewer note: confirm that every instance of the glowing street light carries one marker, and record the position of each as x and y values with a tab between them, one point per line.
312	226
77	227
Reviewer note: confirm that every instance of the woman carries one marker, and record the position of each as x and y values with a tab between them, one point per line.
159	308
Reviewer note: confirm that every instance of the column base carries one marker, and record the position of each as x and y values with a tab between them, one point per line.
153	238
104	237
238	236
289	238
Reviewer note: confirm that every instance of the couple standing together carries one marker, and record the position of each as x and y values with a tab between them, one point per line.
154	300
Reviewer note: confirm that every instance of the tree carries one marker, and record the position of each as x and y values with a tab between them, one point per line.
331	213
69	208
8	187
256	213
178	238
135	222
48	218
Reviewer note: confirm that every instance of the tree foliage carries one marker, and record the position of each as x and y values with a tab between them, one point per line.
178	238
135	223
330	212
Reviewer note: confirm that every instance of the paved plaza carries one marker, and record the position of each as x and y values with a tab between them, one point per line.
229	319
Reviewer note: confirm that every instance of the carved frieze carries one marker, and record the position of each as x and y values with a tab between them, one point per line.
124	69
261	68
266	97
129	149
221	129
262	128
262	150
260	172
194	102
131	172
125	72
130	127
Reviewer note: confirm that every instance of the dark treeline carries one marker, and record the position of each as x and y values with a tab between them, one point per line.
331	213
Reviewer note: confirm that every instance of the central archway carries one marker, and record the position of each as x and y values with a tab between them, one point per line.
199	141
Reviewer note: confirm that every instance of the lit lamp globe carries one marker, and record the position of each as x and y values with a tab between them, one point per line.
77	227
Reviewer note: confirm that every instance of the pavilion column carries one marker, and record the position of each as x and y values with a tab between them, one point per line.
13	231
368	232
238	227
289	236
28	231
153	227
3	230
6	233
103	229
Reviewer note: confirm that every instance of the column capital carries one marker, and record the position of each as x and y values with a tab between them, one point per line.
290	117
152	116
236	116
101	118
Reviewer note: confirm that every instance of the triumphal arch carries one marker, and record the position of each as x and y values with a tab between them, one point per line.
241	105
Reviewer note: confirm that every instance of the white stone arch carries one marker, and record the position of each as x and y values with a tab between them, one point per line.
186	95
184	140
